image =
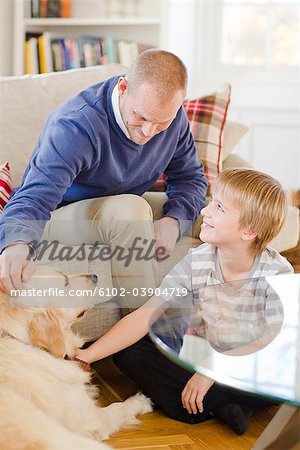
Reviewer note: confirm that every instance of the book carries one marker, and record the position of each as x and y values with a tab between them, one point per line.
35	8
51	8
45	53
65	8
31	63
111	50
56	55
72	55
27	62
43	8
93	50
125	53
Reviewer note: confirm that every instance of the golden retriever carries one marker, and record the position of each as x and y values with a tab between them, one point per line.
46	402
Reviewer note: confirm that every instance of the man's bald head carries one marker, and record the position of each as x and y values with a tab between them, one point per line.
162	70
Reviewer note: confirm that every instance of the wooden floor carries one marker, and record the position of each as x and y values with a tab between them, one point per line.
157	432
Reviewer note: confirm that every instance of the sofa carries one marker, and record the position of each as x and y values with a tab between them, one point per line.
25	103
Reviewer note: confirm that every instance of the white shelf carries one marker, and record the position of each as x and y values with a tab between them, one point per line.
119	21
143	29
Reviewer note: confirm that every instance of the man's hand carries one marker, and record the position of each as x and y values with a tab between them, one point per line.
166	233
15	266
193	394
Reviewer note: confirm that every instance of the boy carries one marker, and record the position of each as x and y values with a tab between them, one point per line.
246	212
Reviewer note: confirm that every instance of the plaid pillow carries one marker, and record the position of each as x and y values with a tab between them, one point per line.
5	185
160	184
207	116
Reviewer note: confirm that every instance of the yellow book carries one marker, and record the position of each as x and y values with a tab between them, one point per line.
45	53
28	66
31	56
42	54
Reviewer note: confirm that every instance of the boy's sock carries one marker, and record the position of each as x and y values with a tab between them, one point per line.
234	415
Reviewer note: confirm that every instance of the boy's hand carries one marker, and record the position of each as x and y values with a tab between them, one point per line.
83	355
194	392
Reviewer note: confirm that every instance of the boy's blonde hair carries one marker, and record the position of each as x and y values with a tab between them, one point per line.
262	202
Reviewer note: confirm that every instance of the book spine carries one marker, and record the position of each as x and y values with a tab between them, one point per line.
76	53
56	55
62	54
43	8
42	54
48	52
66	8
111	50
35	8
53	8
28	67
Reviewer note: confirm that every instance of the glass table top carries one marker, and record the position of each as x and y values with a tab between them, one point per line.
245	334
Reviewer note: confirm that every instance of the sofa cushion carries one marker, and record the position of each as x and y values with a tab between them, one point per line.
232	134
5	185
290	233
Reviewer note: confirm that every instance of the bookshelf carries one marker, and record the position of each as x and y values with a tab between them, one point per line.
133	20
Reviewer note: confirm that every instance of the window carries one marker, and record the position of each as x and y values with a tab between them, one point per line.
261	32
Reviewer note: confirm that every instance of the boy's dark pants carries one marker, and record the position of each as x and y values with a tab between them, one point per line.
163	381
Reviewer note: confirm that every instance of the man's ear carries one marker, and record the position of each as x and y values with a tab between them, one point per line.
45	332
122	86
248	234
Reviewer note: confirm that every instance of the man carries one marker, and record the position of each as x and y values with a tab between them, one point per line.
97	154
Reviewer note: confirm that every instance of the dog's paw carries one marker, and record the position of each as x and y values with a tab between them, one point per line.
140	404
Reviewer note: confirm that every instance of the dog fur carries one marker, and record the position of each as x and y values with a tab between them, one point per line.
46	402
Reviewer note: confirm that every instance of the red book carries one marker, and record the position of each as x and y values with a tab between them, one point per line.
43	8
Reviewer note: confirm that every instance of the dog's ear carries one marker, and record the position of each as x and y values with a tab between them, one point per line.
45	332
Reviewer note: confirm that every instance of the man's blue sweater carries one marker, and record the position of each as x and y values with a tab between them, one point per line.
82	153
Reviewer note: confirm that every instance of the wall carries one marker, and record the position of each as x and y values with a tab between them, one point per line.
266	99
6	36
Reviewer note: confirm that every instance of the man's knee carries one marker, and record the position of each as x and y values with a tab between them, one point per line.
125	207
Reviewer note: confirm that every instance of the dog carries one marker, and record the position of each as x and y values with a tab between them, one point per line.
47	402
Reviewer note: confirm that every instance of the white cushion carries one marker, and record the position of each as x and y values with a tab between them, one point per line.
289	235
232	134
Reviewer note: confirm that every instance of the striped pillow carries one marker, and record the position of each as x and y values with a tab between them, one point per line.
207	116
5	185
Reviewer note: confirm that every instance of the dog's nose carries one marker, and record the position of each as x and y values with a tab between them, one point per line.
93	278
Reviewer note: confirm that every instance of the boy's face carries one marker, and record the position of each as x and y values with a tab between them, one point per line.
221	223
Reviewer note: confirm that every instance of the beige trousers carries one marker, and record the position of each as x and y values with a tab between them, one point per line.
123	222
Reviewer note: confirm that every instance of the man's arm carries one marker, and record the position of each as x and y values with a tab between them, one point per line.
186	182
62	152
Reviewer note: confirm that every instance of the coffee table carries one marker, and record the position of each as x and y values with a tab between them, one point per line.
245	335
